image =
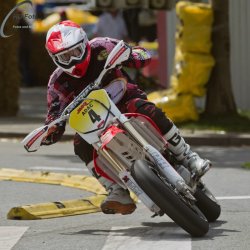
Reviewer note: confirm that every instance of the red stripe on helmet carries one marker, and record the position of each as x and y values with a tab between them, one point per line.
54	43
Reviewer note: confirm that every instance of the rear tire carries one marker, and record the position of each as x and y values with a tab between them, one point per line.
190	219
208	205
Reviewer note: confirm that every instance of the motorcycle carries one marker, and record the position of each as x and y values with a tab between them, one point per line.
132	151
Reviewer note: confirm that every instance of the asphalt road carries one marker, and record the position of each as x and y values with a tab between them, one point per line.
228	180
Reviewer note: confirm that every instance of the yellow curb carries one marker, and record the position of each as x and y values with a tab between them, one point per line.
87	183
57	209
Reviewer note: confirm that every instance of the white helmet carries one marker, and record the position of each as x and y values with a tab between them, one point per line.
68	45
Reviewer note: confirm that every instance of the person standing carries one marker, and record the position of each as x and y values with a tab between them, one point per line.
111	24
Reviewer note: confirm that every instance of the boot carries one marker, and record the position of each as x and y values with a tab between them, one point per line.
118	200
183	154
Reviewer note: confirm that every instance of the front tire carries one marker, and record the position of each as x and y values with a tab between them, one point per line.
187	217
207	203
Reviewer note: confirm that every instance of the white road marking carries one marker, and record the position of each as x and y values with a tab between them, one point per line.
147	238
9	236
233	197
48	168
242	197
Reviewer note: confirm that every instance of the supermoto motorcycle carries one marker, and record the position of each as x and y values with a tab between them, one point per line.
134	153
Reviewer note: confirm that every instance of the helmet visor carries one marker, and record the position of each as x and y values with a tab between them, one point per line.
67	56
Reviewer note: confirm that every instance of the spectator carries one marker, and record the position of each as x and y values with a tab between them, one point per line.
111	24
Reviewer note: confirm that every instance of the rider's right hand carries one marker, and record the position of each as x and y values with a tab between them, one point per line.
54	134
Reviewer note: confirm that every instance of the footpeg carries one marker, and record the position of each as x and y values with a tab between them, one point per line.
185	190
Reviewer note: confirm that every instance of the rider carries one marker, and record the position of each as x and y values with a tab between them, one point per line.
79	62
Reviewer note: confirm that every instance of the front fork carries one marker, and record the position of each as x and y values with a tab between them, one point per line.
165	168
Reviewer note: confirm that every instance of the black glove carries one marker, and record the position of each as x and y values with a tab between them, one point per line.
54	134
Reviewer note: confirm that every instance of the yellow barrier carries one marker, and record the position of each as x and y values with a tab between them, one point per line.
87	183
194	32
192	72
178	108
193	62
57	209
78	16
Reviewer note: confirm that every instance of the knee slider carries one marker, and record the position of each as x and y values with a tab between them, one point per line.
149	109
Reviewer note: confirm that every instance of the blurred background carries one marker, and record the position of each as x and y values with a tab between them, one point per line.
200	52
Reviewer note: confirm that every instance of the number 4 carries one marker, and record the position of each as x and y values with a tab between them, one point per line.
93	116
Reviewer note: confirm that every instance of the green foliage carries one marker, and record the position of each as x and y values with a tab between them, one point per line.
227	123
246	165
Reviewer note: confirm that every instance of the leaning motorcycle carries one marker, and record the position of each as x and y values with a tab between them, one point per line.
132	151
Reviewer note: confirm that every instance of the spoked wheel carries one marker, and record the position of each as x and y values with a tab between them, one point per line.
207	203
185	215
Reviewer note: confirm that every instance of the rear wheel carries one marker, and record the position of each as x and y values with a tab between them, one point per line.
207	203
185	215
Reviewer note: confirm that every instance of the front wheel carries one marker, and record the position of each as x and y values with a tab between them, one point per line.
207	203
186	216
